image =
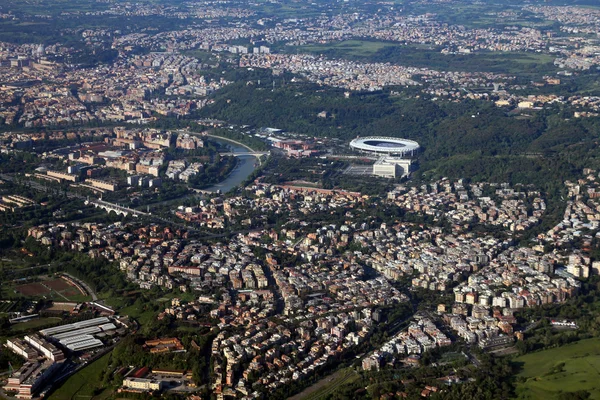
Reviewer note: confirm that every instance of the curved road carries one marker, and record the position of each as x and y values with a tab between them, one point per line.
85	285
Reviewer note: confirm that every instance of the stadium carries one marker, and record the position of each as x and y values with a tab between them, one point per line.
385	146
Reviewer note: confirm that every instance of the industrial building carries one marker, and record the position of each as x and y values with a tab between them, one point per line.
63	176
77	325
391	167
43	356
28	379
141	384
47	349
21	348
80	335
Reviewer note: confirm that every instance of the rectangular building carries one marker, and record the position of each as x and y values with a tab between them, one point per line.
63	176
142	384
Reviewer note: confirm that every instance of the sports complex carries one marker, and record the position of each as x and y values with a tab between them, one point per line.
385	146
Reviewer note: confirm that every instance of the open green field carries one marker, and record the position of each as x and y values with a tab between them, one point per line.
289	10
518	63
137	311
327	385
33	324
546	376
49	7
359	48
85	384
481	15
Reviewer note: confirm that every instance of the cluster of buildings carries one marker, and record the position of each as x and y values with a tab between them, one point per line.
271	355
362	76
213	38
391	25
127	90
13	202
478	203
21	141
115	243
207	214
47	351
328	304
296	147
581	219
330	300
578	44
422	335
578	20
516	279
139	152
586	106
180	169
432	258
190	10
520	277
477	326
427	29
164	345
147	381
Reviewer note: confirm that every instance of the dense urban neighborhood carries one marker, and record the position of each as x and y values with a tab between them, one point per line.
271	200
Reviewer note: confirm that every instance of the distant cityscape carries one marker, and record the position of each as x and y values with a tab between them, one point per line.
285	200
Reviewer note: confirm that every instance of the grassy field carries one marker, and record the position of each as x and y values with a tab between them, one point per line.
86	384
33	324
78	298
136	311
327	385
360	48
518	63
565	369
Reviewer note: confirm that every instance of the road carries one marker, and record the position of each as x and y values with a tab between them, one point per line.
26	269
532	325
177	200
84	285
71	195
473	359
39	187
205	235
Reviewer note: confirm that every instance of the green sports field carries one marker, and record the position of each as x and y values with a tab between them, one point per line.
569	368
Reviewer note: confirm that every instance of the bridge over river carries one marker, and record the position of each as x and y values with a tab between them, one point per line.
118	209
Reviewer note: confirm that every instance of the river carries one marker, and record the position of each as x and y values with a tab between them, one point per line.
245	166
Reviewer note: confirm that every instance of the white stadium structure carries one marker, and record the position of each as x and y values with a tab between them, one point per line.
386	146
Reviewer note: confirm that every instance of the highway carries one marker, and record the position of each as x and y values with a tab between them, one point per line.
39	187
205	235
